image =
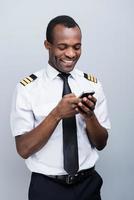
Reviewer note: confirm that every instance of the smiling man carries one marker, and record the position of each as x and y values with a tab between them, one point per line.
58	131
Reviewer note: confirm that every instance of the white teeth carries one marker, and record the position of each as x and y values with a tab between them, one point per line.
68	61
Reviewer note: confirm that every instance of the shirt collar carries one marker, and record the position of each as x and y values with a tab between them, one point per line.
52	72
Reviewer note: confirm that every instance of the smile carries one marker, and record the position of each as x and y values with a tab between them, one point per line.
68	61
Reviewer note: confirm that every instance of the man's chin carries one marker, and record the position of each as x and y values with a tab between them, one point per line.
67	67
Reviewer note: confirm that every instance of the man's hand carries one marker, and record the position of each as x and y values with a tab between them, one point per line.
98	135
67	106
86	106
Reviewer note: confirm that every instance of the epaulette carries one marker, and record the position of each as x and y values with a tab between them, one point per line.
28	79
90	77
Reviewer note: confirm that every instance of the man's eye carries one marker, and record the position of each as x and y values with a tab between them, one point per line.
62	47
77	47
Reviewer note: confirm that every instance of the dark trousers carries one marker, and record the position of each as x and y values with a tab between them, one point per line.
45	188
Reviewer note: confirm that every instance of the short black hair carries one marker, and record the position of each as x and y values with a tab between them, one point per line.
65	20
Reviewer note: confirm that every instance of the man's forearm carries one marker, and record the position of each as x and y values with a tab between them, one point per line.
32	141
97	134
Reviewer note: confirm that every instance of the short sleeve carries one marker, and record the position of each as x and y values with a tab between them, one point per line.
21	117
101	110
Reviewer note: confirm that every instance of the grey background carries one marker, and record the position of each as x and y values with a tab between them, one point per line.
108	42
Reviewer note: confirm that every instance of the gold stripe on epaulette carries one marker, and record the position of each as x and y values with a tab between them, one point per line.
95	79
89	77
29	78
23	82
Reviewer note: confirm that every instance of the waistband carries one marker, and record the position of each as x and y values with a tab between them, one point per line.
72	179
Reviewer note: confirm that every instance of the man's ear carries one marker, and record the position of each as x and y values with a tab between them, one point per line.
47	44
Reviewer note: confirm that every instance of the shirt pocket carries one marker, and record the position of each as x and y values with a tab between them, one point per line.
41	110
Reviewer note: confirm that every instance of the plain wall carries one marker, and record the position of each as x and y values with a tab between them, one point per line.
108	43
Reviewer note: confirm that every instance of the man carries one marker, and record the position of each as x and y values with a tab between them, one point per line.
56	131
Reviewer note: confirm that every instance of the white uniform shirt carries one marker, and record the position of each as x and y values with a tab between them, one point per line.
33	102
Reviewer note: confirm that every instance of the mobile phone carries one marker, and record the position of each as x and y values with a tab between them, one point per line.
86	94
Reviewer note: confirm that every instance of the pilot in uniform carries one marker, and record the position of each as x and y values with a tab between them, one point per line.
34	99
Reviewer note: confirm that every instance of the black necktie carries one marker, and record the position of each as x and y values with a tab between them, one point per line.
70	146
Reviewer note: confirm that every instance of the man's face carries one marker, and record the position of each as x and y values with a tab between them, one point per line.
65	50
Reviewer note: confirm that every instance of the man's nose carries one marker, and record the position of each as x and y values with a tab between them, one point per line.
70	53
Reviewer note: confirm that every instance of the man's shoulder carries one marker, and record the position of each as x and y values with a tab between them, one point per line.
90	77
27	80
